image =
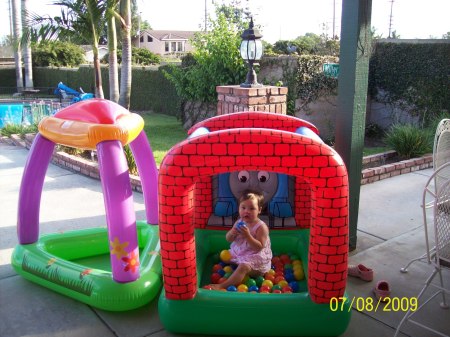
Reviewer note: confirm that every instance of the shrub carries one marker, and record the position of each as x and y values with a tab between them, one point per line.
139	56
57	54
21	130
409	141
132	167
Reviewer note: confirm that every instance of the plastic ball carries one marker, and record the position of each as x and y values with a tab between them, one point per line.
294	286
278	279
286	289
289	277
222	280
227	275
283	283
246	278
278	266
253	288
228	269
276	291
215	278
250	282
231	288
288	266
242	288
268	283
208	287
216	267
259	280
225	256
276	287
275	260
299	274
240	225
264	289
270	277
221	272
285	258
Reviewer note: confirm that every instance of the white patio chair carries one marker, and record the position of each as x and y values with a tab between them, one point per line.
440	258
441	156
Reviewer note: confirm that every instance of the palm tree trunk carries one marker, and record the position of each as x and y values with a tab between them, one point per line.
27	58
112	50
17	32
97	68
125	81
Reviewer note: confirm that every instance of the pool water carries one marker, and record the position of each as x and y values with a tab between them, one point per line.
24	113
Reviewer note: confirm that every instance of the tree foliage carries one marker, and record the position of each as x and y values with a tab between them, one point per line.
308	44
215	61
57	54
424	88
139	56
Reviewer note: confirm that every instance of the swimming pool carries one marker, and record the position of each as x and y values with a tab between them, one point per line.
18	113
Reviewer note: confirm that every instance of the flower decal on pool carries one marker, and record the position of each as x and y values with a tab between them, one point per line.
118	249
131	262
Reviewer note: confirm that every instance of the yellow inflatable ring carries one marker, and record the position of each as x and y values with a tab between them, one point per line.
74	127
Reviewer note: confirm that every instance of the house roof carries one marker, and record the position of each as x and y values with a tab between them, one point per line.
163	35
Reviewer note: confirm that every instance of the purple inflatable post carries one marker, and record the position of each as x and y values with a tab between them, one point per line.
31	189
148	173
120	216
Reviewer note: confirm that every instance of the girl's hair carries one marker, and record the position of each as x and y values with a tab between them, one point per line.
252	195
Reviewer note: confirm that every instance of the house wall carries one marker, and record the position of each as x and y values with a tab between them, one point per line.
158	46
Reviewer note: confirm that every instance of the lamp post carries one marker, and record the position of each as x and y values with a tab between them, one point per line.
251	51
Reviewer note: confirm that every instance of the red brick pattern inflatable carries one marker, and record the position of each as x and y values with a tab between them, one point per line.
185	185
254	119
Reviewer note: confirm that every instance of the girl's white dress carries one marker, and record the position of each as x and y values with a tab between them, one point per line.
242	252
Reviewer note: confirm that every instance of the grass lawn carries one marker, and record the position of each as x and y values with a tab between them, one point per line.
367	151
163	132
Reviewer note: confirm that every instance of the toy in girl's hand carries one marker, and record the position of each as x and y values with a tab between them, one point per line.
240	224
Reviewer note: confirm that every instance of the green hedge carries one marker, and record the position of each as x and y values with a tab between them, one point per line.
8	80
414	75
150	90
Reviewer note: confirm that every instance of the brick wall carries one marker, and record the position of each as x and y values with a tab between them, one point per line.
233	98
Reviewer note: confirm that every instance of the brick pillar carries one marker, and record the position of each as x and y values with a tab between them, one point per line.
233	98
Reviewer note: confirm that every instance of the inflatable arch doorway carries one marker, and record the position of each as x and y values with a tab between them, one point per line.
253	141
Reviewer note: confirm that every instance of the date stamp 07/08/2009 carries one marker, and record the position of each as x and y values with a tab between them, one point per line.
388	304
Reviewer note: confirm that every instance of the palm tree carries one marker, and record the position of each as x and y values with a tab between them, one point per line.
125	81
80	21
95	12
26	42
17	33
112	15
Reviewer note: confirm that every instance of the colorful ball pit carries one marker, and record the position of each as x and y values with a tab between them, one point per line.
309	218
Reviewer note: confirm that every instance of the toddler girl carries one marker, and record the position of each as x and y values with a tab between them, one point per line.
250	242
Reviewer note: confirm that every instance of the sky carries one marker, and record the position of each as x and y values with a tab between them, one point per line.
287	19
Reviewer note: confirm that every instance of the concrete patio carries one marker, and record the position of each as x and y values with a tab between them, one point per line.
390	232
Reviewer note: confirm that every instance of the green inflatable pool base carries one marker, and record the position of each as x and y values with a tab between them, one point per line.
77	264
233	313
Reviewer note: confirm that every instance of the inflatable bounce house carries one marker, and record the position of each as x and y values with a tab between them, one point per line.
114	268
305	186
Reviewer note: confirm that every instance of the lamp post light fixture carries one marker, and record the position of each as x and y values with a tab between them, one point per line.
251	51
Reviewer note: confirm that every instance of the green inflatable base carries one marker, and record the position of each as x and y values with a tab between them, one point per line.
77	264
253	314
